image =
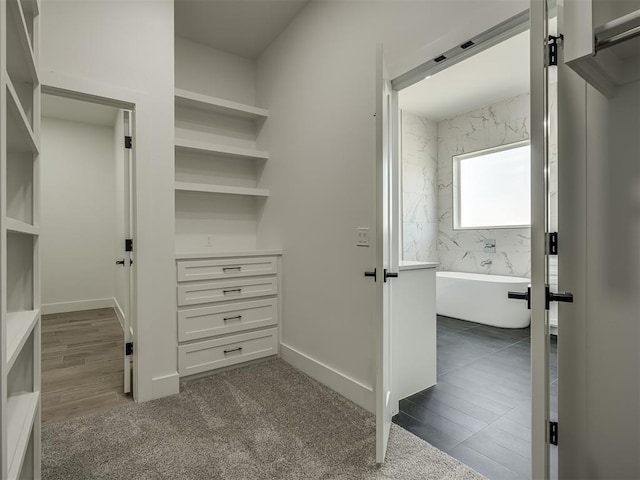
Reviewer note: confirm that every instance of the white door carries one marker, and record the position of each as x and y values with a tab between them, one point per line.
386	247
128	249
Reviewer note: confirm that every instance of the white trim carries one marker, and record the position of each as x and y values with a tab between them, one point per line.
337	381
119	312
63	307
165	385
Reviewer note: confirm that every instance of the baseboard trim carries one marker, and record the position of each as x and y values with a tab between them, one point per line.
119	312
165	386
343	384
64	307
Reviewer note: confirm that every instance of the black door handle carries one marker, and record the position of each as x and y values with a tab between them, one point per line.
389	275
521	296
371	274
120	262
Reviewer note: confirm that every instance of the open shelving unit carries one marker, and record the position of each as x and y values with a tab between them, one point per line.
602	42
218	169
19	239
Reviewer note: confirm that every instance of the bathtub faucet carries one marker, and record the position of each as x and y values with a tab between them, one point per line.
484	263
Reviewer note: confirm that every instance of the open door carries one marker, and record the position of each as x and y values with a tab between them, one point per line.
386	238
128	247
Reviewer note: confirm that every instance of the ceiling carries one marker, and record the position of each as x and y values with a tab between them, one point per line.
495	74
242	27
78	111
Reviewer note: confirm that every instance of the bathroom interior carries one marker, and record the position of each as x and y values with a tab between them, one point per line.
465	203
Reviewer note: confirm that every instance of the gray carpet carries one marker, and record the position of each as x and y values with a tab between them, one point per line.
265	421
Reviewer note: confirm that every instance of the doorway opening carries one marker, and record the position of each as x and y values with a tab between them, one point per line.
466	167
86	257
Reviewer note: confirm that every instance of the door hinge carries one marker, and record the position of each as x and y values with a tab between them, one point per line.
129	348
553	433
128	141
553	49
128	245
552	243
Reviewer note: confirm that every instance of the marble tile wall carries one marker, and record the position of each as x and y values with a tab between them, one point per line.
419	188
462	250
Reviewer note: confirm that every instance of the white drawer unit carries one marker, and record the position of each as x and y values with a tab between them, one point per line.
228	309
213	269
207	355
197	323
223	290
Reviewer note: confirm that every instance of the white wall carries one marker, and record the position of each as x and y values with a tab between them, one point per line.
127	50
78	217
317	80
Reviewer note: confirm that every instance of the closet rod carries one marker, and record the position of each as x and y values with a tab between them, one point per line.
618	31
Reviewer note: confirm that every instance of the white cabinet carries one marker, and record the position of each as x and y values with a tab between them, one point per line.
413	334
228	310
19	239
602	41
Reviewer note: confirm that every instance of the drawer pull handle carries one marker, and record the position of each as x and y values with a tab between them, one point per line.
237	317
239	349
226	269
233	290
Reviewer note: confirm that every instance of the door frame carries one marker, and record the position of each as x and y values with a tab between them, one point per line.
539	345
64	87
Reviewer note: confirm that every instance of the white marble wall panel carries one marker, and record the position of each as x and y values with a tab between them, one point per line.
462	250
419	189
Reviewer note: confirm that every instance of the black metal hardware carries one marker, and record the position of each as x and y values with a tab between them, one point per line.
237	317
238	290
120	262
130	261
224	269
389	275
553	433
128	348
239	349
466	45
521	296
565	297
128	141
439	59
553	49
128	245
372	274
552	243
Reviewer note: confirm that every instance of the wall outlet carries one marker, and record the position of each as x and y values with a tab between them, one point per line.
362	239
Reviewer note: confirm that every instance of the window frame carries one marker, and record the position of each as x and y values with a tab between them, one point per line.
455	160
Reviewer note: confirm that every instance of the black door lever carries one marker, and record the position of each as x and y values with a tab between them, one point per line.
371	274
389	275
120	262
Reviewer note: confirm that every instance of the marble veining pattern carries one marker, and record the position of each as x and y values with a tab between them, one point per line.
419	190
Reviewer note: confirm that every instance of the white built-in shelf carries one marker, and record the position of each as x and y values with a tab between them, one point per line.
216	149
21	412
227	254
18	226
185	98
20	65
19	327
20	135
224	189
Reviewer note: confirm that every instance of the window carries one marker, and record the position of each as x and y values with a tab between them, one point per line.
492	188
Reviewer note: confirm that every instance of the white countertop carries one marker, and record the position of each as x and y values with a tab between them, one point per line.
248	253
411	265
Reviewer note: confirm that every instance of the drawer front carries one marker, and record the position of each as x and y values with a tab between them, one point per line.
196	323
190	270
193	294
211	354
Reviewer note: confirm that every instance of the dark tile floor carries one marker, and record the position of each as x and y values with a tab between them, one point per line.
479	411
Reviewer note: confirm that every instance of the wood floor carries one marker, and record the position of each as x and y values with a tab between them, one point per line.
82	364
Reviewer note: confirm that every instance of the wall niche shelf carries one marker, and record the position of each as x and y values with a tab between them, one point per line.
187	145
221	189
187	99
19	327
20	137
16	226
21	413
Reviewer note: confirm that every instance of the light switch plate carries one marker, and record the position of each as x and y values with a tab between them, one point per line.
362	239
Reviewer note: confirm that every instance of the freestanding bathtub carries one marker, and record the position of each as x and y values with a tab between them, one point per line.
482	298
